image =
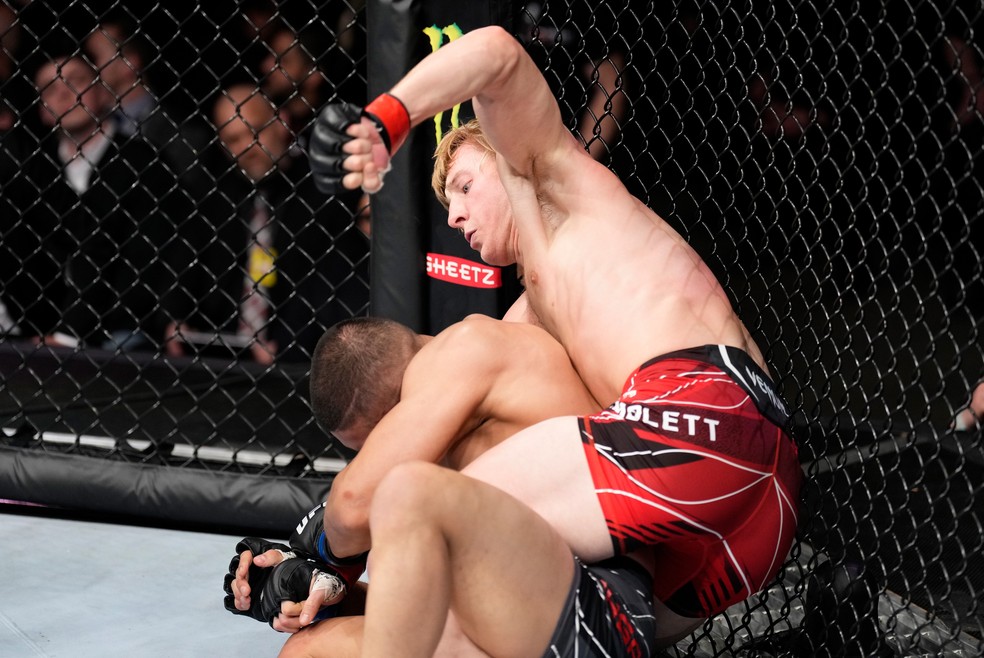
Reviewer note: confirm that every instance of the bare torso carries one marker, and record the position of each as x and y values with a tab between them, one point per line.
615	284
467	390
534	381
609	279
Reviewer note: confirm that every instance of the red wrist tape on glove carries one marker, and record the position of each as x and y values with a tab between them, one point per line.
391	115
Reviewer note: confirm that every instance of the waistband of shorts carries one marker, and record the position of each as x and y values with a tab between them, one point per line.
623	563
743	370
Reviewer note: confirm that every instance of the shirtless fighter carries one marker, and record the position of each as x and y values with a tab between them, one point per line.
394	396
692	455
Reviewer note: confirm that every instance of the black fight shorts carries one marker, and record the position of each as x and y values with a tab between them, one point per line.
609	613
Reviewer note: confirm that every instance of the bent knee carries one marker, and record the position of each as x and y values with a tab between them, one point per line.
340	637
405	491
305	644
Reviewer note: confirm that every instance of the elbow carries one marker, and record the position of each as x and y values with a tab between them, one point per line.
506	51
354	520
346	524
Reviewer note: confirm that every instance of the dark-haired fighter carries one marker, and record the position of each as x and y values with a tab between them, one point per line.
396	396
691	457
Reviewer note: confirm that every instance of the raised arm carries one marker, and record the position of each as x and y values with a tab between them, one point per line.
487	65
432	415
511	98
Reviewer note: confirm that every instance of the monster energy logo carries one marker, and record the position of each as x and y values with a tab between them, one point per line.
436	35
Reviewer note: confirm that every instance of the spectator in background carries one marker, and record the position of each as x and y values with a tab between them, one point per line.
962	57
300	69
969	418
291	79
122	55
259	18
955	236
11	35
15	146
94	214
780	117
17	94
273	262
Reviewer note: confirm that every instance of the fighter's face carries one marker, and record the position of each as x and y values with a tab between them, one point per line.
353	437
478	205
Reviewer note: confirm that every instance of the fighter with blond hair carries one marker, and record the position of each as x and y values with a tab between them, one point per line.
692	455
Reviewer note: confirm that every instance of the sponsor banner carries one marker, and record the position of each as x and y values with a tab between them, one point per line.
463	272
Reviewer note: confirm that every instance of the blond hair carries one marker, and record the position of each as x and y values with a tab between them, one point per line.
454	139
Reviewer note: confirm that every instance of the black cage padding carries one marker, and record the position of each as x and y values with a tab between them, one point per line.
266	504
823	159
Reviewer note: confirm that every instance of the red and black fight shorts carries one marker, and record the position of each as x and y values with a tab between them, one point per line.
695	459
609	613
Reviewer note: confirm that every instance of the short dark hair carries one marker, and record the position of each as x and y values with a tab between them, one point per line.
357	370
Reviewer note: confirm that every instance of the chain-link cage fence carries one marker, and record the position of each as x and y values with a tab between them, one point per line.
168	265
819	156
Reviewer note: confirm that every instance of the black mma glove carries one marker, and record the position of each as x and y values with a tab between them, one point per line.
257	575
291	580
325	149
309	538
325	152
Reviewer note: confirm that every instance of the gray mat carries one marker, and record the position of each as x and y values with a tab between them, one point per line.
75	589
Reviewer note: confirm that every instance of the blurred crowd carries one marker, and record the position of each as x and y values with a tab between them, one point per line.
155	191
131	222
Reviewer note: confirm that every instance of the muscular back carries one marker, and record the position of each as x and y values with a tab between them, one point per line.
469	388
523	375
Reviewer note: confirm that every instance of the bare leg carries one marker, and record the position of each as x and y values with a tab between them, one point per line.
342	638
455	644
442	540
544	467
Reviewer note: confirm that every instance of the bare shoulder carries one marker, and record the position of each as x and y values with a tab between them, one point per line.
520	363
473	345
491	340
570	180
483	331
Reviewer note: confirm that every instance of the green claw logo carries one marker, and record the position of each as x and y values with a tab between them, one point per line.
436	35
